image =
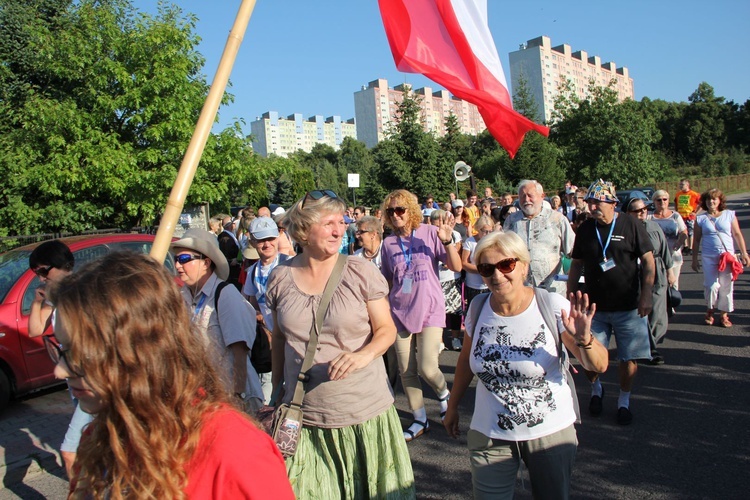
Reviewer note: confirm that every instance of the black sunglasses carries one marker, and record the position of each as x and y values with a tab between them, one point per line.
505	266
42	272
184	258
56	353
395	210
638	210
318	194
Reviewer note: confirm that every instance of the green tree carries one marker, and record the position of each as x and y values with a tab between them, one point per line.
702	132
94	135
599	137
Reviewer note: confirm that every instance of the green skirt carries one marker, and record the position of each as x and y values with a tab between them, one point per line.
367	460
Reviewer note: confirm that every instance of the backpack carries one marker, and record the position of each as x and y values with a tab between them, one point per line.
260	354
548	314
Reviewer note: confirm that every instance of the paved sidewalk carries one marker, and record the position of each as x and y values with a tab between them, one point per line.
31	430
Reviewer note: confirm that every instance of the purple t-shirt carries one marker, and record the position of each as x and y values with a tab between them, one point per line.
425	304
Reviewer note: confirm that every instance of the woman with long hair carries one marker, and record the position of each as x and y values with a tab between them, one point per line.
349	446
164	426
411	256
716	231
516	343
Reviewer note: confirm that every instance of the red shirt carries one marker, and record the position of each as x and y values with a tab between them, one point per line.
234	459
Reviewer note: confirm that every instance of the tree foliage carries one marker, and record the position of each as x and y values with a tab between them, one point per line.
99	105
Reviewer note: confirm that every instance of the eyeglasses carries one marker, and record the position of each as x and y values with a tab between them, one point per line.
184	258
360	231
395	210
56	353
661	199
505	266
42	272
318	194
638	210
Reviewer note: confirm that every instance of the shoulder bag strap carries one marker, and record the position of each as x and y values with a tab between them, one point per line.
545	307
333	281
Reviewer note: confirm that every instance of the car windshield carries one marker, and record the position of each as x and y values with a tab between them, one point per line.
12	265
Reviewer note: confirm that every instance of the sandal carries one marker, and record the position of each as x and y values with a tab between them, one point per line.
724	321
709	319
410	435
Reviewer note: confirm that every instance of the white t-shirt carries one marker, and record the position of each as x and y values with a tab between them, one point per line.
473	280
522	393
444	273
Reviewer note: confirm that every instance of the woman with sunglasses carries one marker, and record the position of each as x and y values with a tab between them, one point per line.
349	446
674	229
411	257
52	261
524	408
369	233
163	423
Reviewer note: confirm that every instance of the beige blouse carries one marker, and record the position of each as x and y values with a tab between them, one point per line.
364	394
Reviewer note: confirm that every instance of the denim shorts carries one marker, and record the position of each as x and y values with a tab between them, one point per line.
631	333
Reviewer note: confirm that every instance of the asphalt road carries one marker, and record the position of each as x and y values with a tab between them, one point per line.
690	437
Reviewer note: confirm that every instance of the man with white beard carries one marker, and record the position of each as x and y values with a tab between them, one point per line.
547	234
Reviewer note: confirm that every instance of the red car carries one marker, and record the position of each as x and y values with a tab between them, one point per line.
25	365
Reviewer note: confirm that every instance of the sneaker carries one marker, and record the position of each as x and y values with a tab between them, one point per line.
456	344
624	417
442	347
656	358
595	405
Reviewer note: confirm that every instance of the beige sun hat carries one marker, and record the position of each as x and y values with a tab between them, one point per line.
205	243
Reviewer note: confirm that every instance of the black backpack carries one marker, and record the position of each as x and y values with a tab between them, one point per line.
260	354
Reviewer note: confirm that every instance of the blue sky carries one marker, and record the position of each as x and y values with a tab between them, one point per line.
310	56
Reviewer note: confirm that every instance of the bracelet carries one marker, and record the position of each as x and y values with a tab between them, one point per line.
586	345
446	243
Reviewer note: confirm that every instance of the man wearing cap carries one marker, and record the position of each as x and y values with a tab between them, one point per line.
264	238
609	246
230	247
226	322
687	203
547	234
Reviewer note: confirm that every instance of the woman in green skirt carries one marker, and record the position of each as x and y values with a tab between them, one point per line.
351	444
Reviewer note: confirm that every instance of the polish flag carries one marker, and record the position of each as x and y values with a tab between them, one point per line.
449	42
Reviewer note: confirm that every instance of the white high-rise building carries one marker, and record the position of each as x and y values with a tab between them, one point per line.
284	136
376	104
545	67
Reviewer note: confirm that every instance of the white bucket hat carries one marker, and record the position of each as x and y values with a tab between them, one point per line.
205	243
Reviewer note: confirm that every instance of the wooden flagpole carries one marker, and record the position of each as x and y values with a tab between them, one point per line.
194	151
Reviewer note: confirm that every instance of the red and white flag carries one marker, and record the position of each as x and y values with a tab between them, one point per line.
449	41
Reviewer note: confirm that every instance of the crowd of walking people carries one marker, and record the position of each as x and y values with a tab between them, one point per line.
291	312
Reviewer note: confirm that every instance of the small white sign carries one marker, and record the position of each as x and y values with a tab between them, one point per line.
353	180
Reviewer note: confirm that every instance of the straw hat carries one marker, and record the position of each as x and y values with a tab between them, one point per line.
205	243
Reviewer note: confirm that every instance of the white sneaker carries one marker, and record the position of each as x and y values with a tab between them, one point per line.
456	344
442	347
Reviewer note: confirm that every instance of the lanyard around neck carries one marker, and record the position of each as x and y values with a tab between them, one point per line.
609	238
407	255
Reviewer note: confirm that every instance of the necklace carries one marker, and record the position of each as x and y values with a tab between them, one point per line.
368	255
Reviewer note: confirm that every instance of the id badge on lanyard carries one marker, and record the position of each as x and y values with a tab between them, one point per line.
408	280
606	264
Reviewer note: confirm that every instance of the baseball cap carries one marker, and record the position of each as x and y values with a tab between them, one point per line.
263	227
276	209
457	203
602	191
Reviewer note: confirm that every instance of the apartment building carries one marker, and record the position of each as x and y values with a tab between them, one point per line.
545	67
283	136
375	108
